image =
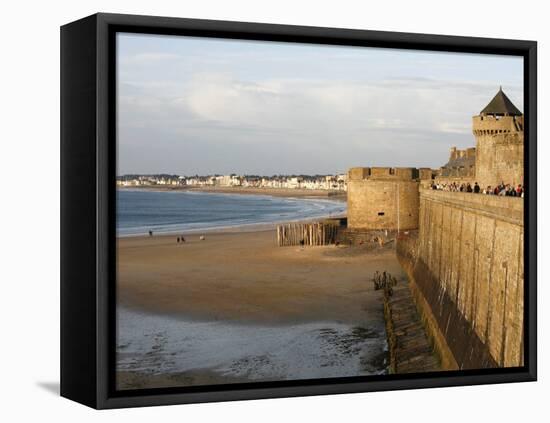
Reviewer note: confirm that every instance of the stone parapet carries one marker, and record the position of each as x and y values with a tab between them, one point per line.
491	125
509	209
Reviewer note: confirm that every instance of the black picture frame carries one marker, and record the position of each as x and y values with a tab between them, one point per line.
88	163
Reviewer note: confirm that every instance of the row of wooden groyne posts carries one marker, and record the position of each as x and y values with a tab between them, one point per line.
318	233
327	232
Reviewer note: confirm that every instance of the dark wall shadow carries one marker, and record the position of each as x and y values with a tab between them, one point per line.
51	387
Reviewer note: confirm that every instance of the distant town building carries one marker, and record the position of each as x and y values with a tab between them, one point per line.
321	182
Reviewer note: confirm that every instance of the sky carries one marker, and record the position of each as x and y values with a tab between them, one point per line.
190	105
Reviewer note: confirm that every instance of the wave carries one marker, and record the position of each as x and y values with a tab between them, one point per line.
176	212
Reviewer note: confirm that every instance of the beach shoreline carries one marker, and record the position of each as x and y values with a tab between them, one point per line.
250	217
240	228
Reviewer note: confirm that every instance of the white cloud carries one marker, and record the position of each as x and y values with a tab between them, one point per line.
246	111
304	106
148	58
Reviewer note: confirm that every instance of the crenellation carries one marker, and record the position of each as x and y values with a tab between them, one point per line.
383	173
358	173
465	261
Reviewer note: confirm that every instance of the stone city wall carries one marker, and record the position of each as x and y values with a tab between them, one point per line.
465	265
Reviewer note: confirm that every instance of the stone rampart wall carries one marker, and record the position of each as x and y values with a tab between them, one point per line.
466	270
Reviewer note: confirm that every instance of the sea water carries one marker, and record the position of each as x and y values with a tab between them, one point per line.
139	211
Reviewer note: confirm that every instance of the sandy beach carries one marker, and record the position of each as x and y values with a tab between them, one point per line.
245	276
243	284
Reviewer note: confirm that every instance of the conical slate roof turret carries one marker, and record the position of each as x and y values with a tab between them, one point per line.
501	105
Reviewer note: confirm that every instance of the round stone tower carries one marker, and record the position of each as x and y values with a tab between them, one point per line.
383	198
498	130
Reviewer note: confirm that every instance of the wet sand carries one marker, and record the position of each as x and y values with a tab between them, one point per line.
239	308
136	380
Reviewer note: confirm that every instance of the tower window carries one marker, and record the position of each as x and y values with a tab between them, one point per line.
381	213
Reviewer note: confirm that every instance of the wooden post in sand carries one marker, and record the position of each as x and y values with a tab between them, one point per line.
310	234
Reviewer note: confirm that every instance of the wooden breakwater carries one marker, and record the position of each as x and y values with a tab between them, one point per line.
307	234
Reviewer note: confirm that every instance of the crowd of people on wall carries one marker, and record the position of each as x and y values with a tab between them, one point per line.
502	189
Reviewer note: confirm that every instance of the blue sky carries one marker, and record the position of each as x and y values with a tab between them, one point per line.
201	106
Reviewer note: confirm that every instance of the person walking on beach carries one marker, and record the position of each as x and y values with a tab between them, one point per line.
178	239
182	239
150	233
